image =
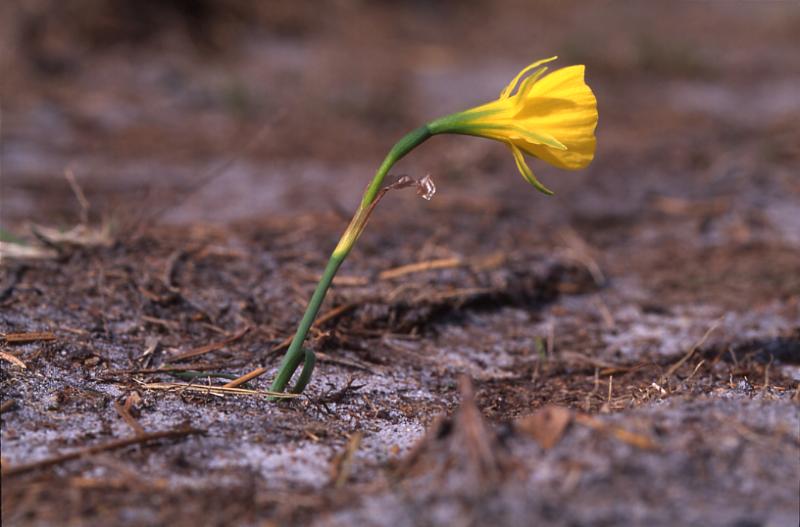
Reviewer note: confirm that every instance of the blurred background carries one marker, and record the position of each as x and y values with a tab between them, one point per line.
226	111
226	144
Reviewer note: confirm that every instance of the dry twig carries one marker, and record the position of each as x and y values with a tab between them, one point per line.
475	436
79	195
245	378
125	413
31	336
12	359
442	263
88	451
200	366
626	436
208	348
330	315
672	369
212	390
343	463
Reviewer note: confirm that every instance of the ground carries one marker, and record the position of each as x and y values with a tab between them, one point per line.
173	180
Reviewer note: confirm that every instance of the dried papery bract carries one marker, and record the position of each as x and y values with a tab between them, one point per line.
548	116
426	189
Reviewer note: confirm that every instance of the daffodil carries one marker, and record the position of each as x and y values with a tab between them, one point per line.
548	116
551	117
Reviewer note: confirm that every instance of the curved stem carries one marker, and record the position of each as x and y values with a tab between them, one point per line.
305	373
295	355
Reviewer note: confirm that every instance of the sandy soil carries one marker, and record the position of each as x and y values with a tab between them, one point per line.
625	353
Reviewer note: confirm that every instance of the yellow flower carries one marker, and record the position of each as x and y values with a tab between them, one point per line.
552	117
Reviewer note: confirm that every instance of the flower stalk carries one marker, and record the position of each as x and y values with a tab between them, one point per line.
296	355
551	117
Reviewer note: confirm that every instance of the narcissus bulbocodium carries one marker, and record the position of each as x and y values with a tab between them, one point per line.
551	117
548	116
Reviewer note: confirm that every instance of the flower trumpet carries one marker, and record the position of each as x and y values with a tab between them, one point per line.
551	117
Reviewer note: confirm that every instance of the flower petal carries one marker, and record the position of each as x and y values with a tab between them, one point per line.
514	133
526	85
526	172
510	88
537	138
561	105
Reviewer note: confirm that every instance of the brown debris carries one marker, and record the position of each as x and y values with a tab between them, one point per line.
672	369
546	426
208	348
470	447
79	195
285	343
342	361
245	378
25	338
343	463
217	390
675	206
79	236
322	319
337	396
626	436
198	366
441	263
14	276
95	449
124	411
16	251
8	404
13	360
475	436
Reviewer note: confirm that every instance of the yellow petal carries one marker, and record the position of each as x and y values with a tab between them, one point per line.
526	172
510	88
515	134
525	86
560	105
535	137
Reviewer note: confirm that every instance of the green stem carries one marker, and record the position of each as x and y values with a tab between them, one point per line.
295	354
405	145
